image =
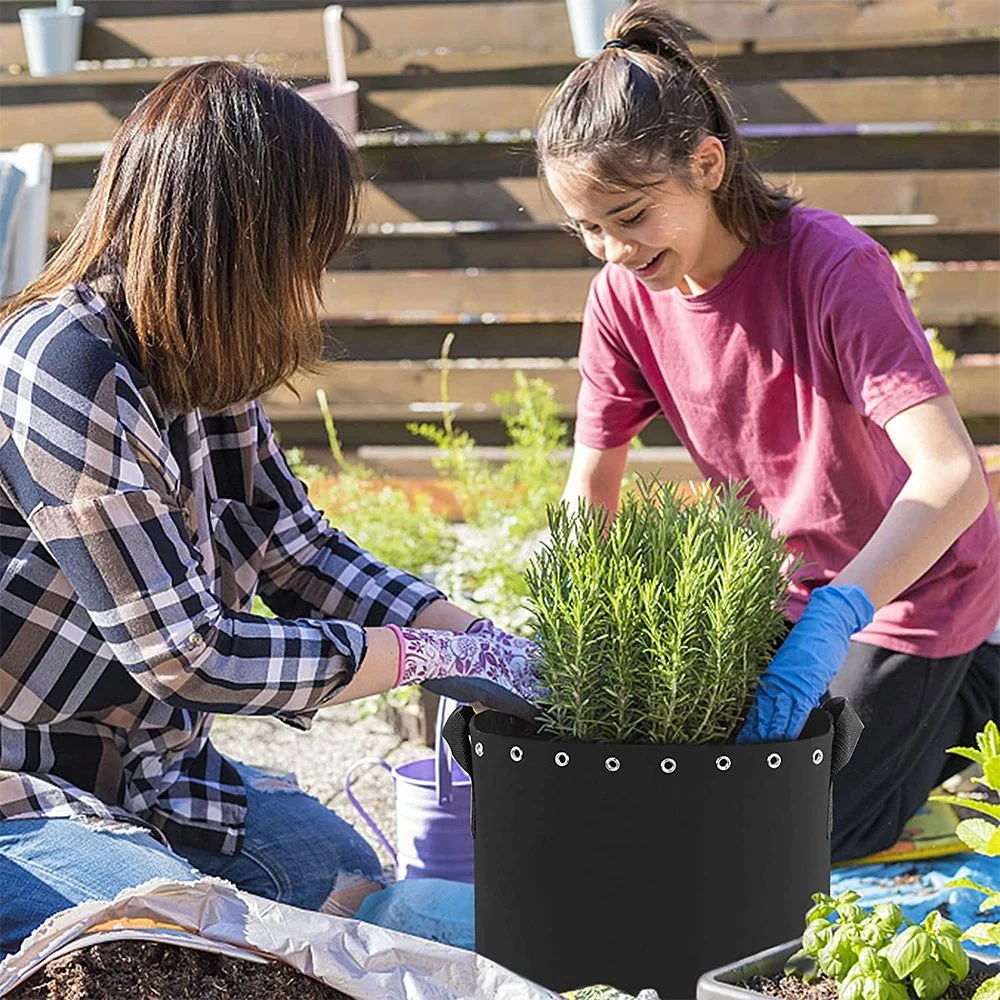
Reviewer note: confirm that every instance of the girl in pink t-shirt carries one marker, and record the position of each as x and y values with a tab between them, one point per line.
778	342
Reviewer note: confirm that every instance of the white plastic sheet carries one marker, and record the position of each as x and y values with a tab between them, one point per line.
364	961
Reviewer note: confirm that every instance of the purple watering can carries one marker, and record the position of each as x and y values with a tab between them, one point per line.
433	808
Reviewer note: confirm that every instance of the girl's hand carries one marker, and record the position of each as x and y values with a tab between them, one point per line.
803	667
484	658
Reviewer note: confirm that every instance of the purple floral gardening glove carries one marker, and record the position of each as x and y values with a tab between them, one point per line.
482	664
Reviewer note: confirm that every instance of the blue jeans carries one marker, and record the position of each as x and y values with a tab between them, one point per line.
294	852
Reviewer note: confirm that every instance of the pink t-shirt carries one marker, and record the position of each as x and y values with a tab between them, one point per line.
784	374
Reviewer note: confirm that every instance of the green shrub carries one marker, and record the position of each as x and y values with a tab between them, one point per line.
655	627
503	507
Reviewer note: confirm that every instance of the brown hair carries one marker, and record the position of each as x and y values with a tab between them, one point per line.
641	106
216	209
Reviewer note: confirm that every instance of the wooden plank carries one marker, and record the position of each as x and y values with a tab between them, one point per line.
537	25
962	201
416	461
951	295
92	116
410	390
975	384
893	99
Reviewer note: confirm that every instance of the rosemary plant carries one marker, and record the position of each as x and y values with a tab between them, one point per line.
655	626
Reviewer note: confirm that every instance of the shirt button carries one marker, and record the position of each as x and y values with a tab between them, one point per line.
194	641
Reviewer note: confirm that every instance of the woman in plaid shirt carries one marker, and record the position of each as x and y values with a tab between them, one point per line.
144	501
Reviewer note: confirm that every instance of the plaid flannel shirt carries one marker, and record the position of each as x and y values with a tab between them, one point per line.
131	545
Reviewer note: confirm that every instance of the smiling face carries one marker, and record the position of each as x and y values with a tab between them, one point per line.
665	231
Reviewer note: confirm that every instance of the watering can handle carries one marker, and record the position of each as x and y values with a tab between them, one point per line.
357	805
442	767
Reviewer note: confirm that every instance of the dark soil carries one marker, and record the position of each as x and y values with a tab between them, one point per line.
143	970
792	988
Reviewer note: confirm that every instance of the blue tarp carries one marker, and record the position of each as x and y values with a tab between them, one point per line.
919	887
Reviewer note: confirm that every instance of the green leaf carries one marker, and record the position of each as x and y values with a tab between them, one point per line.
953	955
888	914
816	936
981	836
930	980
909	951
802	964
852	989
983	934
991	773
989	990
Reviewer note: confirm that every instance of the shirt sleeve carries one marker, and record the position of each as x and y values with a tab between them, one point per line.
614	402
878	345
314	570
82	457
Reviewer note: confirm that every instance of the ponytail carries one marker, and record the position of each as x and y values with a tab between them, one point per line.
641	106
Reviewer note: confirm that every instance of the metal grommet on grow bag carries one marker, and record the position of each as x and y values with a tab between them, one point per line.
479	749
516	753
723	763
562	758
668	765
612	763
817	756
774	760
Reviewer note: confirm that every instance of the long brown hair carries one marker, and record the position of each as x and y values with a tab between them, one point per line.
641	106
216	209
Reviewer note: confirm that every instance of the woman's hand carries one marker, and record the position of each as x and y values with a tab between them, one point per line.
478	664
791	686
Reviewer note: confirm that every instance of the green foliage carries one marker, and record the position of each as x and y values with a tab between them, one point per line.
397	529
503	507
983	837
654	627
872	956
907	267
927	957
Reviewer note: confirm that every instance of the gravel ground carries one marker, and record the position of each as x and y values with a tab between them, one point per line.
321	757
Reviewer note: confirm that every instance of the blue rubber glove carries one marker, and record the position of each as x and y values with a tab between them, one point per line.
791	686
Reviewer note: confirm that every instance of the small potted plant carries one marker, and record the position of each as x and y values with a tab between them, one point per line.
623	837
52	37
877	954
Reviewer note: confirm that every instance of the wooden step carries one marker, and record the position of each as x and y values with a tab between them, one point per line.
952	294
411	390
72	113
540	25
491	156
958	201
368	341
416	461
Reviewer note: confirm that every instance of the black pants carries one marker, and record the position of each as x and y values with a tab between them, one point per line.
913	708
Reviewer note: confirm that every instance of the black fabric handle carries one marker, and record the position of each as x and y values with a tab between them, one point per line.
456	735
847	727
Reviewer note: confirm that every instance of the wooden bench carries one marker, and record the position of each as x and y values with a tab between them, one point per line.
886	111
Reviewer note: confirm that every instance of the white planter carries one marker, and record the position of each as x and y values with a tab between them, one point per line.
338	104
587	19
52	38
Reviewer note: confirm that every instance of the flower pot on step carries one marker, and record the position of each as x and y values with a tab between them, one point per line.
52	38
724	983
642	865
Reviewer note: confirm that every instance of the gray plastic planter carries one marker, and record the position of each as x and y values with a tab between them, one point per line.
721	983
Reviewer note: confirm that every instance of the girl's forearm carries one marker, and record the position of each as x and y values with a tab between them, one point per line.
934	507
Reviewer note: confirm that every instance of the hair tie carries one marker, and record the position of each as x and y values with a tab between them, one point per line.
617	43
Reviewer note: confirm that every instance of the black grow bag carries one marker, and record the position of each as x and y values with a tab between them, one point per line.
644	865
